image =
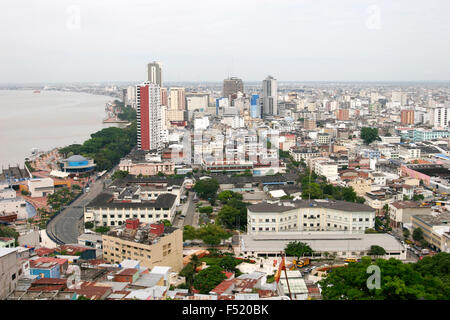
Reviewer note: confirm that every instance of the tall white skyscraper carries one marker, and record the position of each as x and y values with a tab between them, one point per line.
148	109
270	96
154	73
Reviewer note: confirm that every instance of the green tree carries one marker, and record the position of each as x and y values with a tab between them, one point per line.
228	263
399	281
376	251
206	209
207	279
417	234
102	229
119	174
228	216
207	188
89	225
188	273
189	233
369	134
297	249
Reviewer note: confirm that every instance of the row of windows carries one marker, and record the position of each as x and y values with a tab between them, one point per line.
119	216
311	217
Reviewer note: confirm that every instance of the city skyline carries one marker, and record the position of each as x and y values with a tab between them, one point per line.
302	41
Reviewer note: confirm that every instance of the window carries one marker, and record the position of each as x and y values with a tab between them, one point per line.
267	220
273	220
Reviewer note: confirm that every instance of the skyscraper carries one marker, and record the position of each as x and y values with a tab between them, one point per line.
407	117
148	104
177	99
154	73
232	86
270	96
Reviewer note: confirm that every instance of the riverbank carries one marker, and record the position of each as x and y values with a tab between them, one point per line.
47	120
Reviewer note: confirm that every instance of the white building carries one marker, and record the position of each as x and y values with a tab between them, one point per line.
327	169
302	215
341	245
41	187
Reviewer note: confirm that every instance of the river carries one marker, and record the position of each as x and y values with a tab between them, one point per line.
46	120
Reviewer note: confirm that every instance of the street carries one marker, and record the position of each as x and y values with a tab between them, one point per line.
65	226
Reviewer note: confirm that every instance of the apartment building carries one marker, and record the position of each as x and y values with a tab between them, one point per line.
151	244
305	215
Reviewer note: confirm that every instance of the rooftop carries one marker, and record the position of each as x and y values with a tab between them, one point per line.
319	241
282	206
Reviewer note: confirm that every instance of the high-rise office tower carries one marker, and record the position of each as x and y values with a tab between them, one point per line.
164	97
154	73
407	117
270	96
343	114
177	99
148	105
232	86
255	106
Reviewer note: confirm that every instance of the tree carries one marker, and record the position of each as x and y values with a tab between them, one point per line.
228	263
228	216
369	135
297	249
102	229
406	233
206	189
89	225
119	174
207	279
206	209
376	251
417	234
189	233
227	195
427	279
9	233
188	273
418	197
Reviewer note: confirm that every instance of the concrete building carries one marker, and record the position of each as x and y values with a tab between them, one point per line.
148	103
41	187
434	227
400	212
339	244
151	244
9	271
327	169
231	87
154	73
407	117
177	99
109	209
342	114
270	96
304	215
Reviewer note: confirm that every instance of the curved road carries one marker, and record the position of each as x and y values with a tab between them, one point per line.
65	226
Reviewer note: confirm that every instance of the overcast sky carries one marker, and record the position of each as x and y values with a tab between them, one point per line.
207	40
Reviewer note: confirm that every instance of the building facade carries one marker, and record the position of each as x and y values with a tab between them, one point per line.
314	215
151	245
148	103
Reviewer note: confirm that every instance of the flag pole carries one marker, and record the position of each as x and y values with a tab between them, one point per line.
285	273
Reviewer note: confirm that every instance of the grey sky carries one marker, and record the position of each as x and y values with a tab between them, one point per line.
207	40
